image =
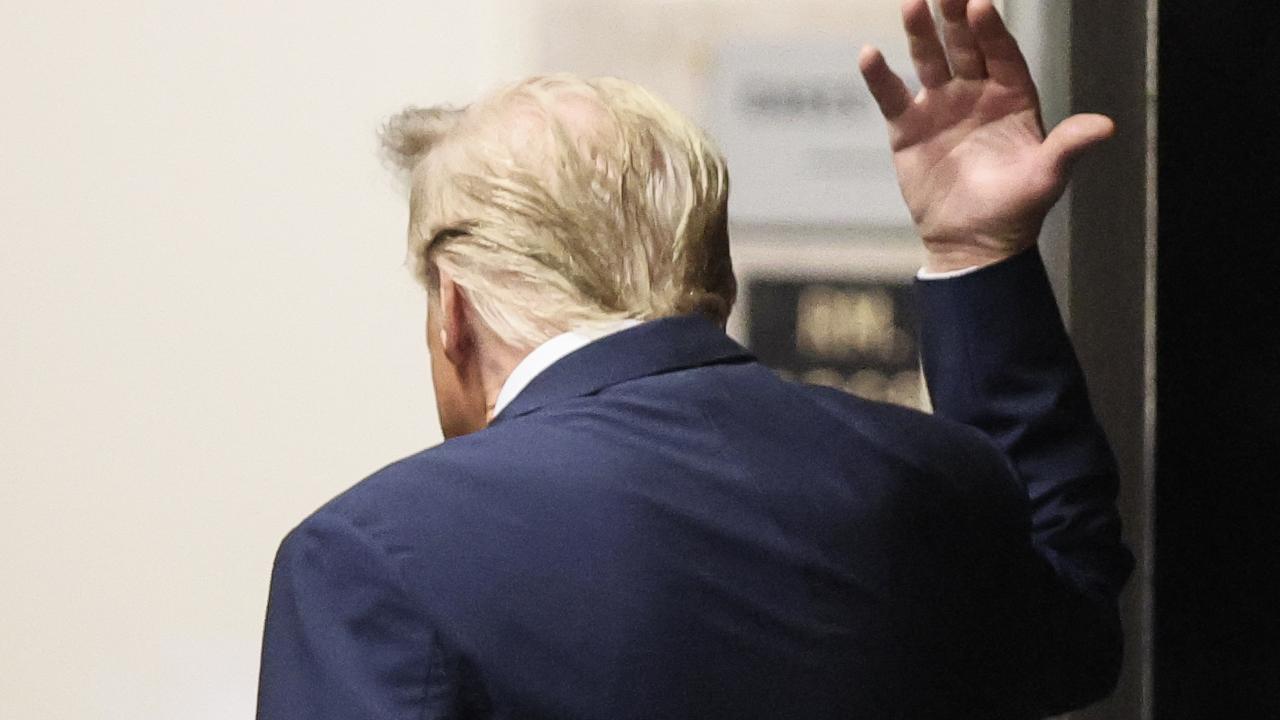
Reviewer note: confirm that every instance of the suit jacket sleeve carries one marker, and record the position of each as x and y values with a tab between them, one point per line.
997	357
341	638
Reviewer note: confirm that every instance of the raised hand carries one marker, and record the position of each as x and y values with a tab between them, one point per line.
975	167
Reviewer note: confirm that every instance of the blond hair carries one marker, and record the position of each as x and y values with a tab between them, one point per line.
560	203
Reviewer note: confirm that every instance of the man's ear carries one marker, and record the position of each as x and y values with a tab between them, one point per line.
456	337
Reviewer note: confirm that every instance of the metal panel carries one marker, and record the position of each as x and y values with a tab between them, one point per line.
1098	57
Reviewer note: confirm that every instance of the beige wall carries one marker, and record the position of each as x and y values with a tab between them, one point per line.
205	326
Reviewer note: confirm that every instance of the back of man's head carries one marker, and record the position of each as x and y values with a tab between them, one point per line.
559	203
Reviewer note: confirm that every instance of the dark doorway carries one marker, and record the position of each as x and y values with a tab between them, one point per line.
1217	529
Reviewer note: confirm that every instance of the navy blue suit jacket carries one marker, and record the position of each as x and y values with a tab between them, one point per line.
660	527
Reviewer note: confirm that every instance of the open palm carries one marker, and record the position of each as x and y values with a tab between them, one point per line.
976	170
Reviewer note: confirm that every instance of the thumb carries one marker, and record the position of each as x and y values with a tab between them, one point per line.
1075	135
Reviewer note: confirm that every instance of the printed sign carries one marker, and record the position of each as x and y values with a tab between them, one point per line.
805	141
857	336
833	310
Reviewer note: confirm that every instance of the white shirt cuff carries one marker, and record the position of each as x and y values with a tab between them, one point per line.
945	275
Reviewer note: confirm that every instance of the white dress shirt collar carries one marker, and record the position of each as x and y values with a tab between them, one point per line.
546	355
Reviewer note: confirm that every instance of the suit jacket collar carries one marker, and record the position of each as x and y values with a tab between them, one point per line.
651	348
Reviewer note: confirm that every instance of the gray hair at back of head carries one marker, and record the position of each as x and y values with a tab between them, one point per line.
559	203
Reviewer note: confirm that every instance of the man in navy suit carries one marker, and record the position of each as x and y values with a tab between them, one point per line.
632	518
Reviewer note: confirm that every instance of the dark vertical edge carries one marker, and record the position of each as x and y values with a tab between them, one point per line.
1109	294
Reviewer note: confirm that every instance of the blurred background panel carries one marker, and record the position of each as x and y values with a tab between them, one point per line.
842	316
776	84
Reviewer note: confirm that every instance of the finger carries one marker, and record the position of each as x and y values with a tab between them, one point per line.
926	49
1074	136
886	87
962	47
1005	63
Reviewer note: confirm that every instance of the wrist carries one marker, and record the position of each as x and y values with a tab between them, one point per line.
947	260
